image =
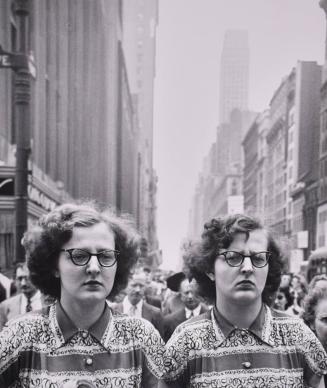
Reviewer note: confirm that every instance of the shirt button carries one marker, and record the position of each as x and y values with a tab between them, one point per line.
89	361
246	364
84	334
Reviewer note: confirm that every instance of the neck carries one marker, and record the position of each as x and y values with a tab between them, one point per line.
83	315
30	294
240	315
134	302
192	308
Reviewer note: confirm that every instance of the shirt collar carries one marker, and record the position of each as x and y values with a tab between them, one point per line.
195	311
261	326
35	296
127	305
68	328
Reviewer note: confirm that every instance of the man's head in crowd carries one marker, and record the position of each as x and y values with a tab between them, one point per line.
188	294
23	280
136	288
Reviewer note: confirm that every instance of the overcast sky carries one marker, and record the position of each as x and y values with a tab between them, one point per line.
189	43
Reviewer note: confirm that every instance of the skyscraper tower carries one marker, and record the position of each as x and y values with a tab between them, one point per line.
234	74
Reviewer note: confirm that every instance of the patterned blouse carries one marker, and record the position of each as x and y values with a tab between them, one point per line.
45	349
276	351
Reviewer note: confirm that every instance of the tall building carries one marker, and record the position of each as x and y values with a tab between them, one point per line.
302	157
85	124
322	186
220	186
234	74
139	21
276	159
292	158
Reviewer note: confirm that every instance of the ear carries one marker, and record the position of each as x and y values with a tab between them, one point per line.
211	276
56	273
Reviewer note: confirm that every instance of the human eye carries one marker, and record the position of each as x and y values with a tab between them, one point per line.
79	255
260	258
107	257
233	258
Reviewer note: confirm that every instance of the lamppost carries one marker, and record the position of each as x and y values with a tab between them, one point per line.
22	129
22	62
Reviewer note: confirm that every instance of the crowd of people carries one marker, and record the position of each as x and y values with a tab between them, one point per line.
83	312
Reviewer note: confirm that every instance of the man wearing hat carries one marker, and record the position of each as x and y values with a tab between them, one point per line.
191	306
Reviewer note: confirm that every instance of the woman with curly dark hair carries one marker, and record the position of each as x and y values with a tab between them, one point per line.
315	312
80	256
240	341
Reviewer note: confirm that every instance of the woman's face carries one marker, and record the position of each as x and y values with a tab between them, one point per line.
280	301
245	283
320	322
90	283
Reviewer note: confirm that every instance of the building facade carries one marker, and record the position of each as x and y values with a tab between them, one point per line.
139	20
234	74
85	124
321	239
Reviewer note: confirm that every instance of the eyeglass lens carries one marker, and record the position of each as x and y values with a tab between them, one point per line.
235	259
81	257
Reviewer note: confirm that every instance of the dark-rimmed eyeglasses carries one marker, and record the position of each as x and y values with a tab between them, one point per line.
81	257
235	259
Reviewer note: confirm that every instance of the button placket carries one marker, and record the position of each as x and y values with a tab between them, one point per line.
246	364
89	361
84	334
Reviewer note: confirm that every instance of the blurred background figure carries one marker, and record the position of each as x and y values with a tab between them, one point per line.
280	302
298	290
173	301
318	281
285	281
151	288
29	298
283	299
315	313
315	316
134	303
7	287
192	308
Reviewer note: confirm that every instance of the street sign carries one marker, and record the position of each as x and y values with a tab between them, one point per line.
17	61
303	239
5	60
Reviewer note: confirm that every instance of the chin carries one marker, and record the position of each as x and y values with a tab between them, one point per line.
247	297
94	296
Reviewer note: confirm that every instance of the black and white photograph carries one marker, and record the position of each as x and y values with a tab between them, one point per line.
163	193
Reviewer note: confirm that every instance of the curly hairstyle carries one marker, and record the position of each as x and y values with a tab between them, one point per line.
317	278
44	241
219	233
310	304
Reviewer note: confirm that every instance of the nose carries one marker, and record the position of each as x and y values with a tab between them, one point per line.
23	282
93	266
247	265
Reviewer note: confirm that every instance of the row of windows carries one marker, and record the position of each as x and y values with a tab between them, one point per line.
322	217
323	191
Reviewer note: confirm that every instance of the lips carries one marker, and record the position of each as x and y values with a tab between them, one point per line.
245	283
93	283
